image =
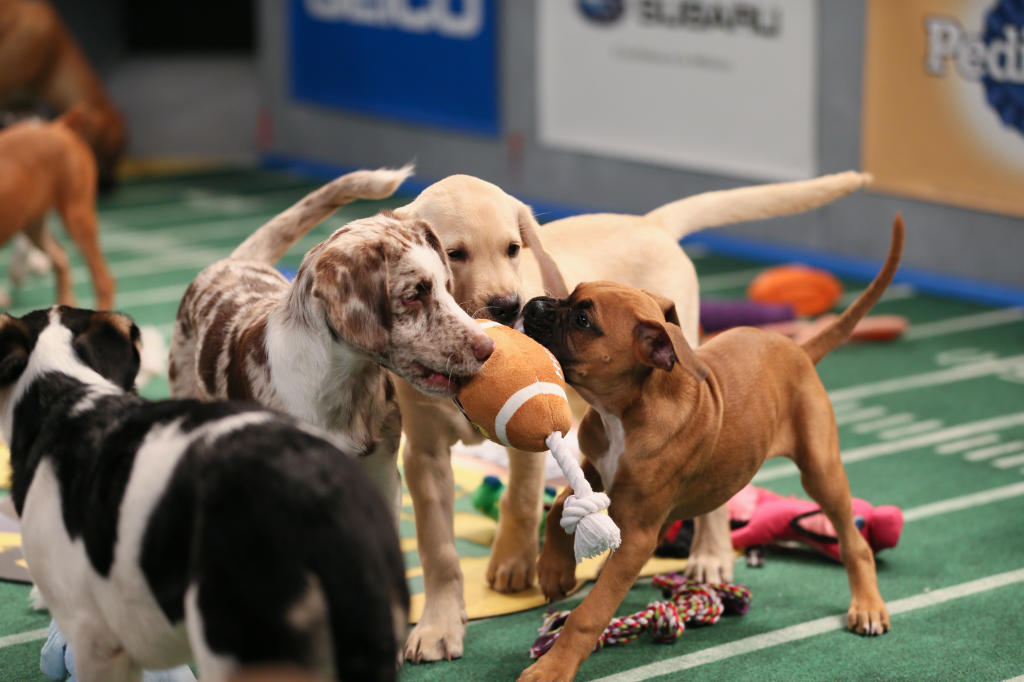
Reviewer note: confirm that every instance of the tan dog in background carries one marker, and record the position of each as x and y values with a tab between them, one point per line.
497	259
40	63
670	443
47	166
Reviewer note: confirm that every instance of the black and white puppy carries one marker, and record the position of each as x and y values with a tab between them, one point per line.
166	532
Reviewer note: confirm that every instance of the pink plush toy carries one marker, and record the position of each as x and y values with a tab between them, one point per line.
771	518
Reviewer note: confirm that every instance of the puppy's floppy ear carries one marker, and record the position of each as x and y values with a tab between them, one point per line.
14	349
551	276
110	344
661	345
667	305
434	242
351	281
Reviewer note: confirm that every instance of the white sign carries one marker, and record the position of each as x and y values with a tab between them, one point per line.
714	86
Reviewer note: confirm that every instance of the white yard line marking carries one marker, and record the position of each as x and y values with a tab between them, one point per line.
966	323
155	264
1007	462
207	201
812	628
851	417
964	502
942	376
961	445
845	407
911	429
879	424
881	449
22	637
994	451
728	280
137	298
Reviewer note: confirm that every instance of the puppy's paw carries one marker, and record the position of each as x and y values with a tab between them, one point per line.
436	639
512	567
546	669
868	617
710	568
556	574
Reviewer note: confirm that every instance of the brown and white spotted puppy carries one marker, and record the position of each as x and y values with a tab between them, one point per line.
373	295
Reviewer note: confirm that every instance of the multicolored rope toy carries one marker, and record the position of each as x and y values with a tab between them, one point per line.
689	603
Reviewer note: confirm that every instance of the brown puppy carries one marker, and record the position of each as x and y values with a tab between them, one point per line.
672	442
40	63
47	166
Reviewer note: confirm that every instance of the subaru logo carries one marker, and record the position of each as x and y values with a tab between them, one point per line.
602	11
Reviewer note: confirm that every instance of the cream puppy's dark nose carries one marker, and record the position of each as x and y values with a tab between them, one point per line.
503	309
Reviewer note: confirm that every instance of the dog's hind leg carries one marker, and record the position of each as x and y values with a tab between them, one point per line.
80	221
824	479
211	666
40	236
512	566
711	553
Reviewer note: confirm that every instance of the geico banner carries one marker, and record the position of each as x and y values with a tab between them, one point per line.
425	61
710	85
944	101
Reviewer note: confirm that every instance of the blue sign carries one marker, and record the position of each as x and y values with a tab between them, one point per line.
424	61
1003	55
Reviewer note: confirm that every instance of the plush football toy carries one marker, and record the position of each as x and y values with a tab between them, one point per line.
518	399
770	517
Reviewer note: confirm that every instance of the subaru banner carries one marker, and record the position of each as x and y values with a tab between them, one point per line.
711	85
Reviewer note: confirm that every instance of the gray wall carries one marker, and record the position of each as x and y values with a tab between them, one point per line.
944	239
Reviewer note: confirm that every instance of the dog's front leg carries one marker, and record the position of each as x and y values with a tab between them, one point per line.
712	557
428	473
98	656
556	567
514	552
587	621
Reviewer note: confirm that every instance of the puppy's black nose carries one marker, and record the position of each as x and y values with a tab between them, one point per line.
503	309
538	310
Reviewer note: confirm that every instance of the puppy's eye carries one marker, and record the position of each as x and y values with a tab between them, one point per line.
581	320
513	250
419	294
457	255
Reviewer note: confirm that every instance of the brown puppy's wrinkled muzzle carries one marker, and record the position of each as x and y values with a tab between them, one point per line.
540	318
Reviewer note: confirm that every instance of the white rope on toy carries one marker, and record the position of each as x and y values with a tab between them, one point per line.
581	514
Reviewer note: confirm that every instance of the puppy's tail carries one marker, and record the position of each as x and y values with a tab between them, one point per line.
713	209
820	345
274	238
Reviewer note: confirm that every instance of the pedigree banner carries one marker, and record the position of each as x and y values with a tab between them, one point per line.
712	85
944	101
